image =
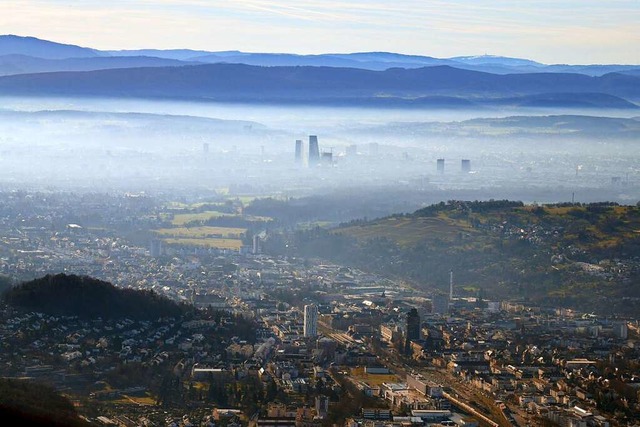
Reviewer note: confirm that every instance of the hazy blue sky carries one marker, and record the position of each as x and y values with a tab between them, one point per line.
576	31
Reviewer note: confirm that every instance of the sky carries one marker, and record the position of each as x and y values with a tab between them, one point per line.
571	32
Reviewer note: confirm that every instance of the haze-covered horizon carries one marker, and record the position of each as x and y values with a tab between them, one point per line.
195	125
534	155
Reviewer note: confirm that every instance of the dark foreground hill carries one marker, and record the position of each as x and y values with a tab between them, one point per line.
24	403
579	256
85	297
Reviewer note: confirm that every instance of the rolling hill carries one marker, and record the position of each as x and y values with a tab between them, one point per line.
22	64
231	82
33	404
554	128
578	256
70	295
32	46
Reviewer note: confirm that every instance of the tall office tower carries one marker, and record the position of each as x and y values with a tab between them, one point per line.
256	245
298	151
156	248
413	329
440	166
314	151
373	149
413	325
352	150
310	320
465	166
451	285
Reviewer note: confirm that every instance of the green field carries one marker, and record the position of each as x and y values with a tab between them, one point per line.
409	231
202	232
182	219
234	244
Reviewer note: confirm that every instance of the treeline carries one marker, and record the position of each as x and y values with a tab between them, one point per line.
85	297
287	212
32	404
463	206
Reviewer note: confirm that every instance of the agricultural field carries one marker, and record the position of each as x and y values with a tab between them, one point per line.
202	232
180	220
219	224
206	237
233	244
408	231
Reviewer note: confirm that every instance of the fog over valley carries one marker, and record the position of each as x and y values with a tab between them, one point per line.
543	155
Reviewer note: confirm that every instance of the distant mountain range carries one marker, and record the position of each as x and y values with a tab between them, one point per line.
37	67
11	45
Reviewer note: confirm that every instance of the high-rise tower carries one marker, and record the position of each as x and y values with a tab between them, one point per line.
465	166
310	320
440	165
451	285
413	329
413	325
298	151
314	151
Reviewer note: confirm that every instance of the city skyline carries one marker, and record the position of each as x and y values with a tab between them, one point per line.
549	32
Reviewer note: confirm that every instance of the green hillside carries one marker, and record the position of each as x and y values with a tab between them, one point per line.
573	255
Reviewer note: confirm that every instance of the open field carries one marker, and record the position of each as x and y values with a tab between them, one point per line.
373	379
182	219
408	231
202	232
136	400
234	244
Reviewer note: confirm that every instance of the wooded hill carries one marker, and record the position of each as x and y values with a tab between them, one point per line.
581	256
31	404
85	297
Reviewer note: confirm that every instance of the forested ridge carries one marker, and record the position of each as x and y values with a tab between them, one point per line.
570	254
33	404
86	297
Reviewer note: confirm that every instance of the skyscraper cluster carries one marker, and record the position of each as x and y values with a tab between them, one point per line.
465	166
314	157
